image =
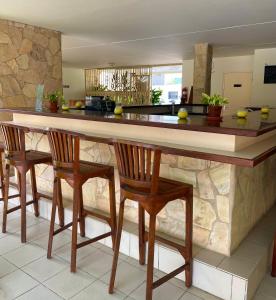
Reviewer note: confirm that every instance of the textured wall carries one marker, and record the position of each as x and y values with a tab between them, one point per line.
29	56
212	193
228	200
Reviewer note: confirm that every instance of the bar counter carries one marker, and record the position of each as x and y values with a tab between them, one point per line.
231	165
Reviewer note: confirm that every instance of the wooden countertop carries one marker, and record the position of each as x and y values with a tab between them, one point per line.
253	126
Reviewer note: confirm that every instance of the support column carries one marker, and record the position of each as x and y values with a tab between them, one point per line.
203	55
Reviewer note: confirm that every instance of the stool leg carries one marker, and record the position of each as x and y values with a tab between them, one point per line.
142	244
2	177
150	265
81	214
76	205
112	204
23	204
34	191
6	197
52	221
273	272
60	203
189	240
117	245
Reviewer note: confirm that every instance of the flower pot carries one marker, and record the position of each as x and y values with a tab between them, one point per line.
214	112
53	106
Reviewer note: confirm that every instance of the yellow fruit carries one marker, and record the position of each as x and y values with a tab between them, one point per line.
118	110
78	104
182	114
65	107
265	110
242	114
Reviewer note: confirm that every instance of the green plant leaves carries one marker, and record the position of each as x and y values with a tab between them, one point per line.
215	99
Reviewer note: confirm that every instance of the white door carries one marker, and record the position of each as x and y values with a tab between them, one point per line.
237	88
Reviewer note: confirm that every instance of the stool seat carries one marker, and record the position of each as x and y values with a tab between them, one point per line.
32	157
86	170
167	189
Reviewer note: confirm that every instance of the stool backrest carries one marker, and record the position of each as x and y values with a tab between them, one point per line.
138	164
65	148
14	139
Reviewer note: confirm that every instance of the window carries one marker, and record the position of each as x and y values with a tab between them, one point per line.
169	80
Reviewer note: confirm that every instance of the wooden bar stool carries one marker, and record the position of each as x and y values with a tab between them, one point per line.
273	272
23	161
65	148
2	181
139	166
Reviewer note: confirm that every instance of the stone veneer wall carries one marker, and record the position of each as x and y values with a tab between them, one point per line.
228	200
212	192
29	56
255	194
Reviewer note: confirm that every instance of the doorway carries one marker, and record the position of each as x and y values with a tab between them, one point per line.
237	88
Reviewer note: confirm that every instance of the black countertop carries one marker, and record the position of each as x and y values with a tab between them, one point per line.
253	126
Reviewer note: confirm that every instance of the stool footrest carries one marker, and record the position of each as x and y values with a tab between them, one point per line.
10	197
182	249
63	228
96	215
95	239
19	206
169	276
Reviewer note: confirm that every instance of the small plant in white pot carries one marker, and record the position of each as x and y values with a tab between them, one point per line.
215	104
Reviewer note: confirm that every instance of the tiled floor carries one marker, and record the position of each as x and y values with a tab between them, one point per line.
26	273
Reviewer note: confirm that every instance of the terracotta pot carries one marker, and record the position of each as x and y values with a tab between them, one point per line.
214	112
53	107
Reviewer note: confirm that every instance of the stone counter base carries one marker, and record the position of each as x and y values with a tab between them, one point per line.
228	200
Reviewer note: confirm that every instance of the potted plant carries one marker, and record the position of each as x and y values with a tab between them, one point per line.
215	104
155	96
54	98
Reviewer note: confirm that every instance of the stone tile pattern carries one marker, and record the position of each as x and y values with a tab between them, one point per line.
29	56
203	54
255	190
211	183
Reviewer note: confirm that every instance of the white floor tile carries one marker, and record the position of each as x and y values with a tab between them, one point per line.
59	241
43	268
67	284
97	263
188	296
98	291
128	278
9	243
6	267
24	255
15	284
40	292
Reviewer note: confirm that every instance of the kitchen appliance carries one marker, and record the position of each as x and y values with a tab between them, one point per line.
99	103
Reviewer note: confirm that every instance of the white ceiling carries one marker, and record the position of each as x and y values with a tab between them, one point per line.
134	32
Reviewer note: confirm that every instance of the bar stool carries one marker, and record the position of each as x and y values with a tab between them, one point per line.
273	272
23	161
2	150
139	166
65	149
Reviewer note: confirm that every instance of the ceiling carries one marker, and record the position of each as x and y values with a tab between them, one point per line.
137	32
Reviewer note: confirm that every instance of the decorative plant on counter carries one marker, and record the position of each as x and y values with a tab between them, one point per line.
55	98
155	96
215	104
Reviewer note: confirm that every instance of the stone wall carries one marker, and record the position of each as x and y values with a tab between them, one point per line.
212	193
228	200
29	56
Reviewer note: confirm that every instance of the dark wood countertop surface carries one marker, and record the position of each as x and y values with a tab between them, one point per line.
253	126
